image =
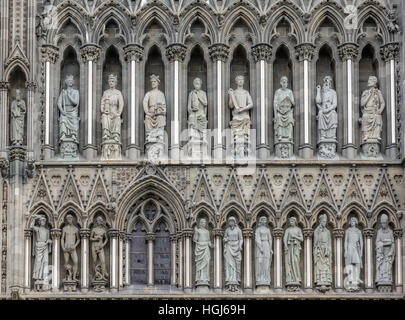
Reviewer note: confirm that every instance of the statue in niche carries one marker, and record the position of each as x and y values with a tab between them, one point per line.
240	102
284	119
202	253
154	105
112	104
292	254
68	105
69	242
197	121
372	105
353	246
326	101
322	255
263	253
233	242
42	246
99	239
385	253
18	110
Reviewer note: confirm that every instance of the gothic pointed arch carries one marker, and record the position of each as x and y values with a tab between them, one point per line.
293	209
287	13
197	13
154	15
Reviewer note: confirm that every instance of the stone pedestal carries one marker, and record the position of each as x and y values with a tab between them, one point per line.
70	285
323	287
69	150
154	150
202	288
284	149
384	287
110	150
240	150
293	287
197	150
371	149
41	285
99	285
327	150
262	289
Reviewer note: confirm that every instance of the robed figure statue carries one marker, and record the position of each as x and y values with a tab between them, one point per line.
18	111
292	253
202	253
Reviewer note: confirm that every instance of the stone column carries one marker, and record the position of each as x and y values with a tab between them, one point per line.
308	233
127	278
84	235
90	53
114	257
150	237
187	235
247	260
173	246
390	54
55	234
175	53
30	86
398	260
4	131
338	242
218	235
27	259
49	55
17	174
369	261
219	53
121	260
261	54
348	53
305	53
278	260
133	55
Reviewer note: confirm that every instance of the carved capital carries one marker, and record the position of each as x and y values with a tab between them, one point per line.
262	51
84	233
113	233
278	232
49	53
368	233
133	52
173	237
56	233
17	153
338	233
219	51
4	168
217	232
187	233
124	236
390	51
150	237
27	233
90	52
247	233
308	232
176	52
398	233
30	85
348	51
4	85
304	51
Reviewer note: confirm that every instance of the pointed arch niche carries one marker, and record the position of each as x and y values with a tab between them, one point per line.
240	67
17	80
325	66
282	67
112	65
154	65
197	68
368	66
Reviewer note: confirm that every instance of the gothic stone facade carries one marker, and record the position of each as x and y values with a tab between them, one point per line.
150	209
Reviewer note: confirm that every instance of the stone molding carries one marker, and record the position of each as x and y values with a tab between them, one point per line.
348	51
90	52
262	51
219	51
134	52
176	52
390	51
49	53
305	51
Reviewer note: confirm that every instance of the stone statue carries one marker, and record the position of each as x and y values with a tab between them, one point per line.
263	253
292	253
233	242
112	104
353	256
69	242
99	239
18	110
322	255
240	102
385	253
68	105
41	247
197	121
284	120
202	253
372	105
326	101
154	105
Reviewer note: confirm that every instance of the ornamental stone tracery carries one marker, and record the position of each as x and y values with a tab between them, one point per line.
137	202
